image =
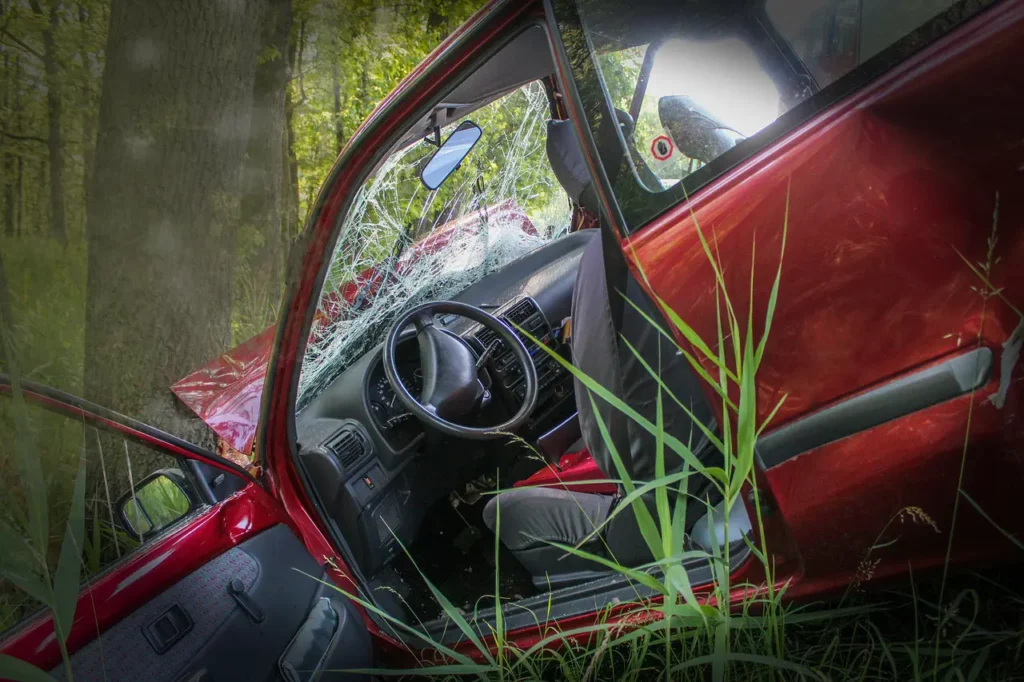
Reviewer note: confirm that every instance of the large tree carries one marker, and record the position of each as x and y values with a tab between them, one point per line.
265	205
55	113
164	202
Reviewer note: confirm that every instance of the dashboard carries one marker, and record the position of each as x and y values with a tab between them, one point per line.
390	416
375	468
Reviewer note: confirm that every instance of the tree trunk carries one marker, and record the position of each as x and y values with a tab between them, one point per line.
339	124
263	199
9	158
164	203
88	113
54	109
295	49
19	197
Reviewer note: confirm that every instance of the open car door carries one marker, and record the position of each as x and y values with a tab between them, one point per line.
192	573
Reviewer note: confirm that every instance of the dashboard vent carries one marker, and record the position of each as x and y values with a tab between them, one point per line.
485	336
347	445
516	315
520	312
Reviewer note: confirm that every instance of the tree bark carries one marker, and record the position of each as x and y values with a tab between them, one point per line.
88	113
9	158
263	200
295	49
55	112
339	124
164	203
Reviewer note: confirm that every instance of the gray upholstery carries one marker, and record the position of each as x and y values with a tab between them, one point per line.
603	356
569	165
568	517
532	518
129	655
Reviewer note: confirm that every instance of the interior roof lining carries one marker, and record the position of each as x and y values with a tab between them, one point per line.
525	59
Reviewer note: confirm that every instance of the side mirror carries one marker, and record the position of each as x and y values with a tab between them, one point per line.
157	502
697	133
448	157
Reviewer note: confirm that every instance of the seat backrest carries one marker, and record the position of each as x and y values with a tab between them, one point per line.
570	166
600	353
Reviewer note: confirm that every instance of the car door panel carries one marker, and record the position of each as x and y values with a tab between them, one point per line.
243	534
116	593
280	579
891	197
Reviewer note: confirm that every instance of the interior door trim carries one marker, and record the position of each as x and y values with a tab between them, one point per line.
908	394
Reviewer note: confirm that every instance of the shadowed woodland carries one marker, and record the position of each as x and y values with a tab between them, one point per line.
158	159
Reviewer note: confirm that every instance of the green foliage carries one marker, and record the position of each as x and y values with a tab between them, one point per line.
24	561
735	632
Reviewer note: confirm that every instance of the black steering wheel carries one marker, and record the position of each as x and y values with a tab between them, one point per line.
451	385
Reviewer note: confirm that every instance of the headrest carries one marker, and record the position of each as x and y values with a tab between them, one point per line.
570	166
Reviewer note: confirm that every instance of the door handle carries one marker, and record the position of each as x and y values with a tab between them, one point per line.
237	591
165	630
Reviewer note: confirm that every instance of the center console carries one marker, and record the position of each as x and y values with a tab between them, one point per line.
554	382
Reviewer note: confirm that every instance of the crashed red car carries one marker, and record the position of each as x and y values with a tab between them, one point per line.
885	135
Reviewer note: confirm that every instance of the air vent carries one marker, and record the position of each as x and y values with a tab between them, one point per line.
347	445
520	312
485	337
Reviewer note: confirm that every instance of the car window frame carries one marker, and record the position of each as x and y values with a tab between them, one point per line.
184	453
634	206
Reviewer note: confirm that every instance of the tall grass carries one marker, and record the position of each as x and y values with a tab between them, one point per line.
728	631
24	560
687	633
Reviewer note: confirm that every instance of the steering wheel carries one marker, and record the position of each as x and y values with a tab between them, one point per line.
451	386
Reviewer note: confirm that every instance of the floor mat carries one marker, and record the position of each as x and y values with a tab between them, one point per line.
456	552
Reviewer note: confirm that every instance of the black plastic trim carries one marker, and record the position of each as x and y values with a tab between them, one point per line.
542	610
906	395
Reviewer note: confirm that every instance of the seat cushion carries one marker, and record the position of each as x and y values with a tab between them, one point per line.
532	518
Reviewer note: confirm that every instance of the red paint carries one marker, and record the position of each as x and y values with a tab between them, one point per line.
572	469
121	425
147	573
666	143
886	187
389	120
226	392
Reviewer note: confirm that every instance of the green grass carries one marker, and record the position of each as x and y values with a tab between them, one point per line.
685	634
947	627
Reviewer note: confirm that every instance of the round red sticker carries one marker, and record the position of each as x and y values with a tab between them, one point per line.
662	147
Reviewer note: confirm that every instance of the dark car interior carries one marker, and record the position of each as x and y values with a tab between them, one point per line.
412	491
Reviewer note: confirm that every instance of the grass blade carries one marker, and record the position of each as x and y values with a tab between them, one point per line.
20	671
711	436
67	578
18	564
773	298
693	362
644	579
596	388
643	515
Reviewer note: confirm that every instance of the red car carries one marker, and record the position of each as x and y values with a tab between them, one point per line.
568	151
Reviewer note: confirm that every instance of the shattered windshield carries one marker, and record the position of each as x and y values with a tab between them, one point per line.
402	244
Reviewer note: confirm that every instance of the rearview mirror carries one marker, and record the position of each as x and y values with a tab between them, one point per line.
448	157
156	503
696	133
